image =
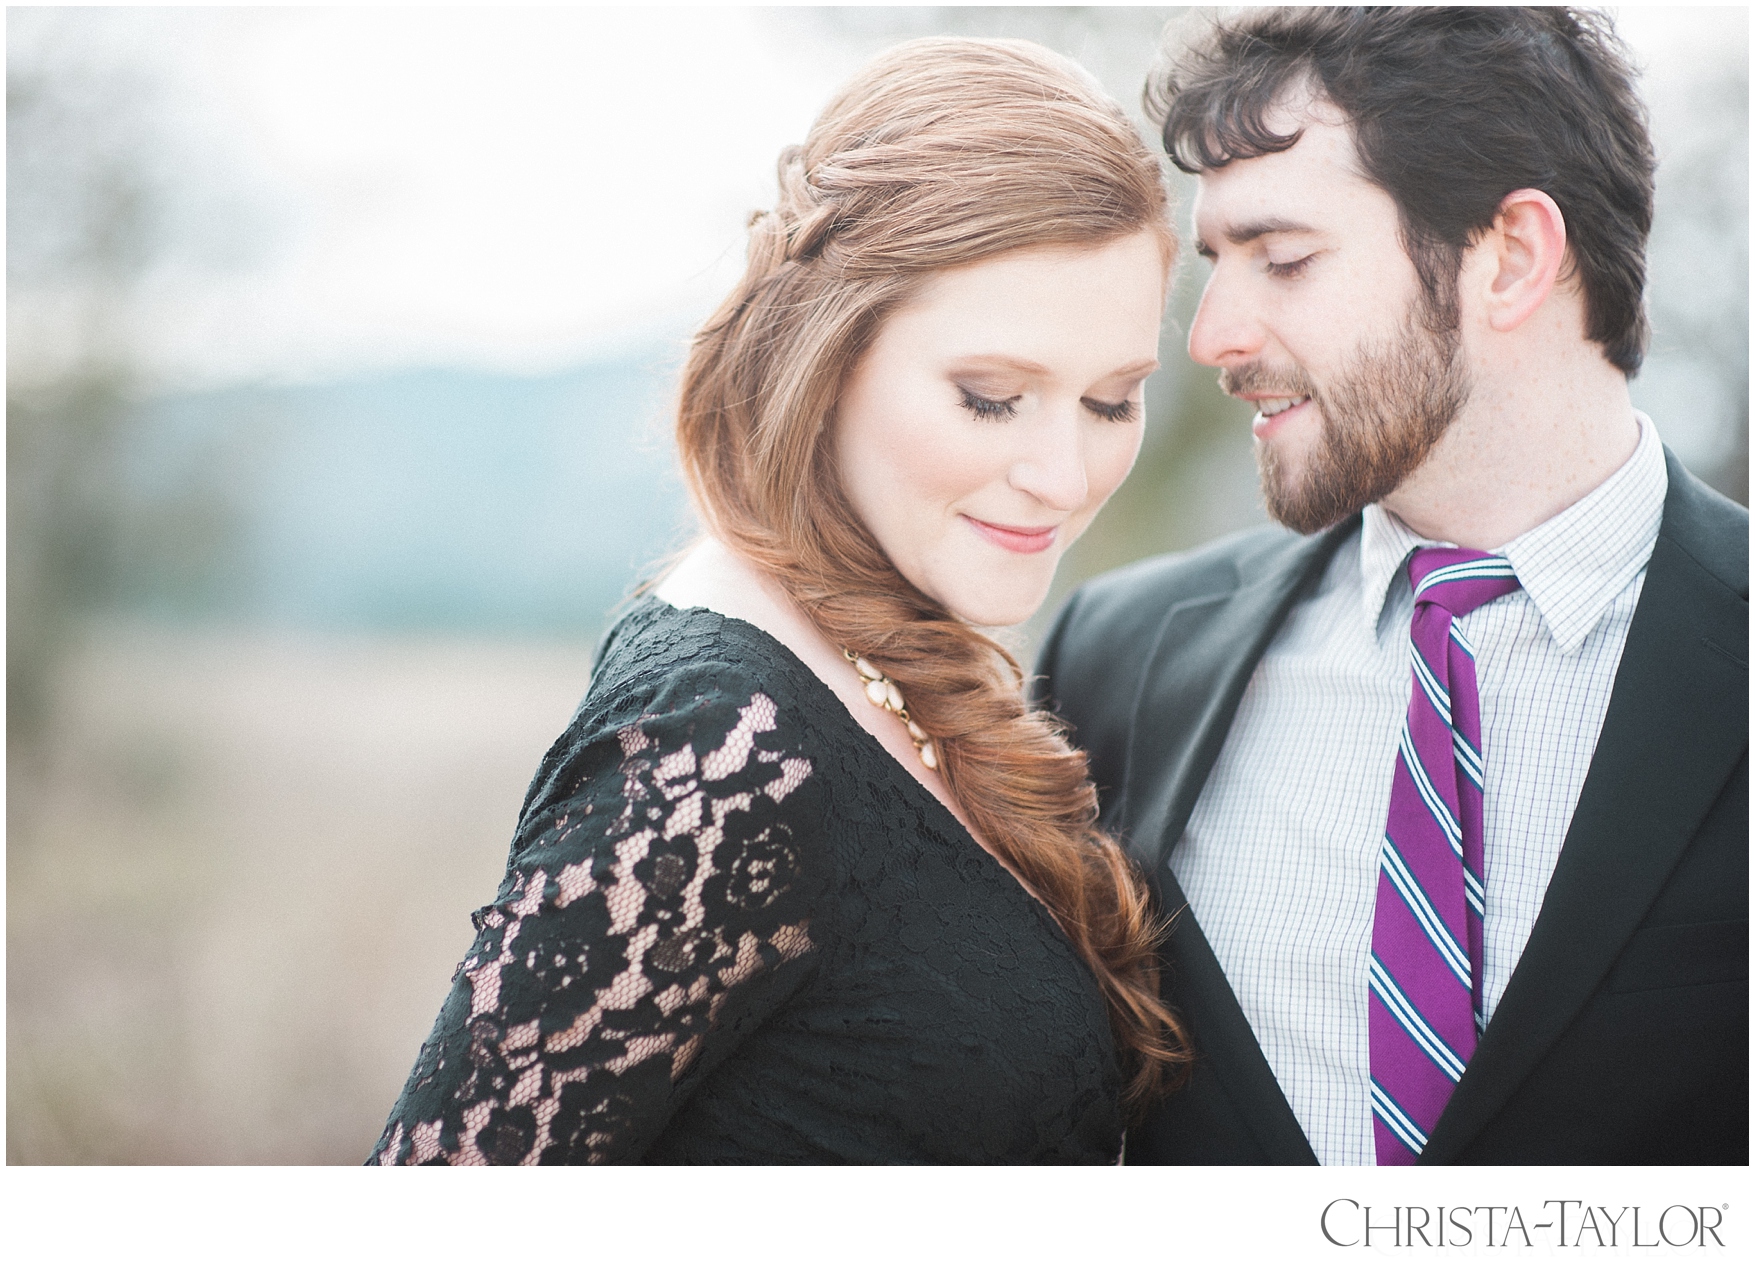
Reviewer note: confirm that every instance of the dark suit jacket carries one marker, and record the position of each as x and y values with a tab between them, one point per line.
1623	1035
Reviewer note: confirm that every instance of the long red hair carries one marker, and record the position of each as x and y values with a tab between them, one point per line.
940	153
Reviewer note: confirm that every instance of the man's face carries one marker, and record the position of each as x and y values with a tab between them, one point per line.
1315	314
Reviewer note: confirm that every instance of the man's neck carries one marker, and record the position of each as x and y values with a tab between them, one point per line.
1526	446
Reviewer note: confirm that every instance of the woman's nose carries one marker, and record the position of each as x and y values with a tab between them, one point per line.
1052	467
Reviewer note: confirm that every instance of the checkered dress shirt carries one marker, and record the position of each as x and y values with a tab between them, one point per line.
1280	856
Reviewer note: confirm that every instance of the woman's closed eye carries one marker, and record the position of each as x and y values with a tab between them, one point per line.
1112	411
987	407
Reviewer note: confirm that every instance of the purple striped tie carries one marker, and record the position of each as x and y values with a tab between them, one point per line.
1426	938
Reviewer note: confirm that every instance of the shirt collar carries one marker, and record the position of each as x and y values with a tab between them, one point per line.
1572	566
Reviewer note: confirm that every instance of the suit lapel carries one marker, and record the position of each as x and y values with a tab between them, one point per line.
1676	727
1206	650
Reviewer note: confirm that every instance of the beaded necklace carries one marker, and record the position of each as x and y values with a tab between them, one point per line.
881	691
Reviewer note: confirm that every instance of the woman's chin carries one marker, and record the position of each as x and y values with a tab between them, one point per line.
979	589
998	610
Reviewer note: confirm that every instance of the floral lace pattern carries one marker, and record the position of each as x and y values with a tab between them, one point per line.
691	958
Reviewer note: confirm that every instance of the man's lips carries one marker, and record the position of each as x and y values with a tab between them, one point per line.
1019	540
1265	424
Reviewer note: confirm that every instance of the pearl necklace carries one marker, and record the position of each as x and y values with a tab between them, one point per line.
884	693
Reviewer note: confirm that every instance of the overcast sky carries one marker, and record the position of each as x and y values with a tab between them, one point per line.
513	189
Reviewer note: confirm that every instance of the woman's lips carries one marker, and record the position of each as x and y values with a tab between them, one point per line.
1022	541
1265	426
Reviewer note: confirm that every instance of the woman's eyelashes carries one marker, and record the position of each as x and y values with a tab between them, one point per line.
1112	412
989	407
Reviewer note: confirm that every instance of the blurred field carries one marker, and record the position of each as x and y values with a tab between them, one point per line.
239	877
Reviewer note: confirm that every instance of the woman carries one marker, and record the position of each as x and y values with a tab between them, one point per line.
803	880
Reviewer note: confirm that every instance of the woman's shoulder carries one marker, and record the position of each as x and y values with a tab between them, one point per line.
674	673
667	889
690	715
656	650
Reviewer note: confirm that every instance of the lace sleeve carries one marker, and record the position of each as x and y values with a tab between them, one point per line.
656	906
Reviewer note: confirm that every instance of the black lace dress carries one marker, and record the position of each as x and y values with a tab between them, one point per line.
734	929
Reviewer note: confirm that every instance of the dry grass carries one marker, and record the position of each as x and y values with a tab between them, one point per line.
239	875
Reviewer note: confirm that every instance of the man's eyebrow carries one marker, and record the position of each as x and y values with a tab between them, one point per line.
1248	231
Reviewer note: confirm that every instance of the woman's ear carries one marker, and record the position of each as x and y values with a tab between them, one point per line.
1528	247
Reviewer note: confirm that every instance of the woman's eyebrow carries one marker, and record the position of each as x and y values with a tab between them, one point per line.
982	360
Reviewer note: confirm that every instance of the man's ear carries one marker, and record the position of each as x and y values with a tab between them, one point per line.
1528	245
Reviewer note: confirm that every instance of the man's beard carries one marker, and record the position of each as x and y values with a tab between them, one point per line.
1379	420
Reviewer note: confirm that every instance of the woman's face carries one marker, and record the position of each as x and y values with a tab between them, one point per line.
995	414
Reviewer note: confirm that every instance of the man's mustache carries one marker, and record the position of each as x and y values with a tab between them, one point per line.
1259	378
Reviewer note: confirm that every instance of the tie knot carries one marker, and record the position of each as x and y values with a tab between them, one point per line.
1459	581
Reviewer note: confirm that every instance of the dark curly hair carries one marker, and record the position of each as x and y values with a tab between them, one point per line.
1451	109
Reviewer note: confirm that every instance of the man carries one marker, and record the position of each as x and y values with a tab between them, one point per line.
1458	875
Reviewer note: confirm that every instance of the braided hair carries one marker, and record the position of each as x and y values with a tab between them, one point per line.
940	153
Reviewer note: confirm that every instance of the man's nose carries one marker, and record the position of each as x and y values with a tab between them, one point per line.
1225	330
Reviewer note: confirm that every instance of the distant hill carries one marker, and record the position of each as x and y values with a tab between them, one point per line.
483	503
437	499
